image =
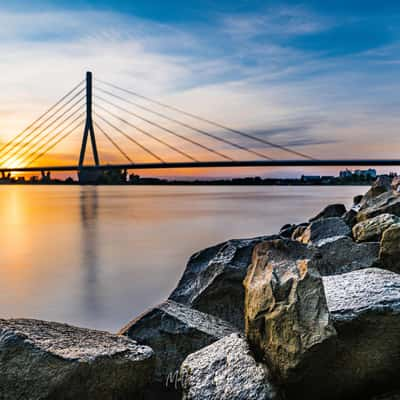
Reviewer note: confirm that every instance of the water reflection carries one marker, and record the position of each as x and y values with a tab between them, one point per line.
99	256
89	205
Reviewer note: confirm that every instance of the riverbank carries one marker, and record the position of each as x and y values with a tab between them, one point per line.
324	324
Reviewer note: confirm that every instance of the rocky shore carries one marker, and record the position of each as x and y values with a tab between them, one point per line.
312	312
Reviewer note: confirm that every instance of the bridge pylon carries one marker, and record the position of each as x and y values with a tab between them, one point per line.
88	176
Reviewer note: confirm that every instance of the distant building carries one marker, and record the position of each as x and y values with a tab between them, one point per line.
310	178
327	179
358	173
346	173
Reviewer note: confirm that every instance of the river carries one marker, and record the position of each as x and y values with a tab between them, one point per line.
99	256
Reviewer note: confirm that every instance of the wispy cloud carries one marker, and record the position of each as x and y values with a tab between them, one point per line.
276	22
239	69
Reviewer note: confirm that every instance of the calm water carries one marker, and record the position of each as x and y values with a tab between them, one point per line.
98	256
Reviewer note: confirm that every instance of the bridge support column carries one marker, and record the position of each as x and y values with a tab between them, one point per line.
89	176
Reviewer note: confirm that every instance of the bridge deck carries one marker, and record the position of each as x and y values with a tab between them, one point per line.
215	164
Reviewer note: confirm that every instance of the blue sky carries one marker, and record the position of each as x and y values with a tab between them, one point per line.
322	76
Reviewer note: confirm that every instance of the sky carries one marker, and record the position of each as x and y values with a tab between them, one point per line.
318	76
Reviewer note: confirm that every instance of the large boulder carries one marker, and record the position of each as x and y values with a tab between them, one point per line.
332	210
371	230
286	313
389	254
365	309
212	280
226	370
340	254
323	229
385	203
49	360
173	331
336	337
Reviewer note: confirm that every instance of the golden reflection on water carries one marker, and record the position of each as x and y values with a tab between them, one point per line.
98	256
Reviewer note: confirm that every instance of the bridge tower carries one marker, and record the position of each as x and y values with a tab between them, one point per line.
88	176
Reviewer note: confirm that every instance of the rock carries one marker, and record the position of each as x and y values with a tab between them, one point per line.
287	230
333	338
340	254
174	331
386	203
371	229
388	396
323	229
396	183
389	254
299	231
333	210
225	370
381	185
350	217
212	281
49	360
357	199
365	309
286	313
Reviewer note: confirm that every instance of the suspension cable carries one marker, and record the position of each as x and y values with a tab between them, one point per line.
131	139
150	135
113	142
57	142
173	133
241	133
20	143
32	140
35	151
40	117
201	131
32	147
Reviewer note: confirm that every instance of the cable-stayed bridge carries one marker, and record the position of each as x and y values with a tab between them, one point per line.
171	138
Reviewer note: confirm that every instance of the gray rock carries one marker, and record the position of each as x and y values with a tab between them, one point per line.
388	396
371	230
389	254
173	331
350	218
49	360
286	313
225	370
323	229
381	185
212	281
357	199
341	254
333	210
300	229
385	203
396	183
364	358
287	230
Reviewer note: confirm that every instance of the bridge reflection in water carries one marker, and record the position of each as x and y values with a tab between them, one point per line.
89	205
